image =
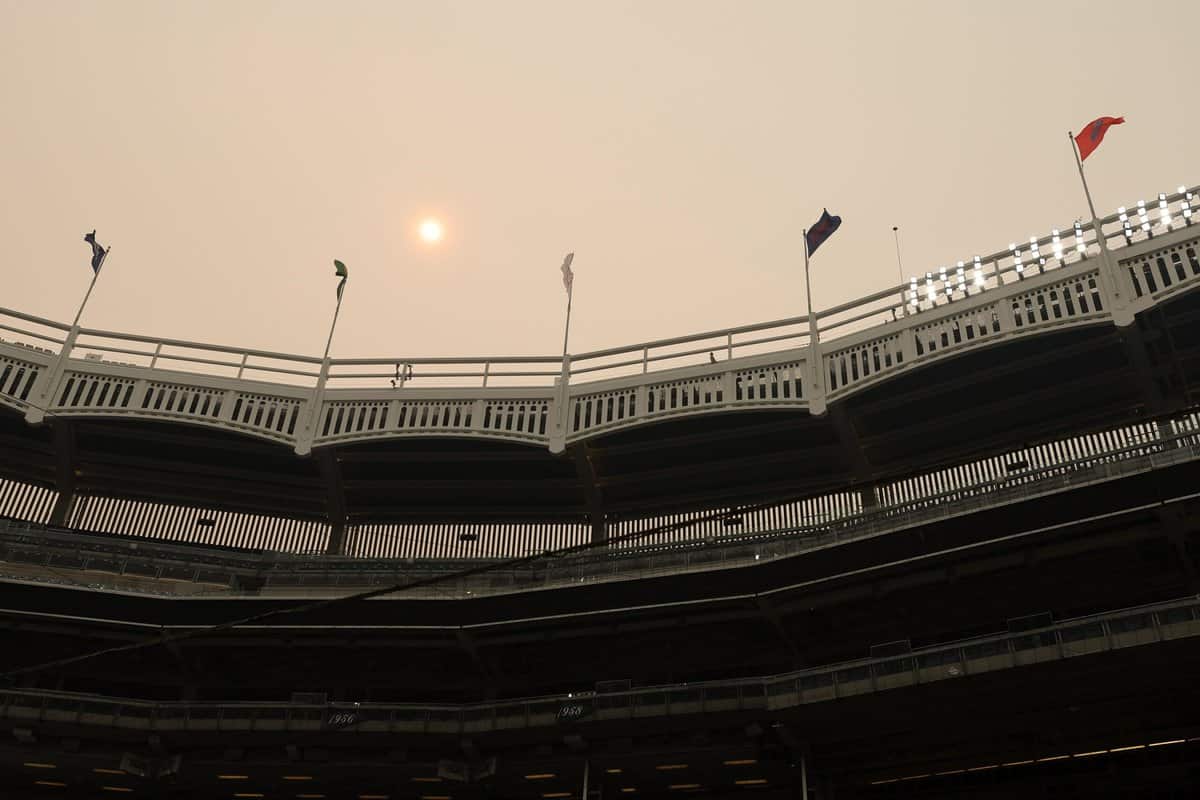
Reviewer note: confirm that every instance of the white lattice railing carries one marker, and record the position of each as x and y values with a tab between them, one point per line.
1056	299
1164	271
759	382
1058	279
1073	300
522	418
17	376
268	413
1022	259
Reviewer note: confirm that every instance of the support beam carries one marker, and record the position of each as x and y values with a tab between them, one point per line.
586	472
467	643
851	446
335	499
769	613
185	668
64	472
1136	346
1175	524
1179	391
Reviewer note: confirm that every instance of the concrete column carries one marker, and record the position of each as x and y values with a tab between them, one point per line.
1167	433
560	409
48	379
337	539
64	473
869	496
64	504
308	431
817	404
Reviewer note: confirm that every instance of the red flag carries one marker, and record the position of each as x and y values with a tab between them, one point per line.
1093	134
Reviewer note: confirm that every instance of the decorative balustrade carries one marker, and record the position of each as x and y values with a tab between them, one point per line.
1164	272
771	384
761	382
1022	259
95	392
522	416
1078	298
267	415
1059	279
598	411
17	377
187	401
864	361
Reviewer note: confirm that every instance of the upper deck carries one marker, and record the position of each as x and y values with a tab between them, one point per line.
1026	344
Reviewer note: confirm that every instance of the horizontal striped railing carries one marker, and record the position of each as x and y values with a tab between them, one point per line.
388	554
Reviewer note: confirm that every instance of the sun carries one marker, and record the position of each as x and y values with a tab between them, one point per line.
430	230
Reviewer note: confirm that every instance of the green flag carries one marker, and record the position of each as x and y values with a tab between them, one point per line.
339	269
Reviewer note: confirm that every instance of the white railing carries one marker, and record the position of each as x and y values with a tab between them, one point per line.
1057	279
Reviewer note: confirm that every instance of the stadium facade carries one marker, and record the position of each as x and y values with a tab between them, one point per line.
937	542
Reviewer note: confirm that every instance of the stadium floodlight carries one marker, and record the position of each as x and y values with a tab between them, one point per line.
930	291
1185	205
978	272
914	294
1143	217
947	285
1080	244
961	274
1126	228
1035	255
1164	213
1056	244
1016	254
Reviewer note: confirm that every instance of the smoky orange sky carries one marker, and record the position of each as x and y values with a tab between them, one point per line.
228	151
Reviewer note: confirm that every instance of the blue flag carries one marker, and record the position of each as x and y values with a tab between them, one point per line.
824	228
98	252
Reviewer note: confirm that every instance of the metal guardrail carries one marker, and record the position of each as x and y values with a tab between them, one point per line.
1115	630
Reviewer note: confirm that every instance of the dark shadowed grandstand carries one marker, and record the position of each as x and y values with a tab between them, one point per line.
939	542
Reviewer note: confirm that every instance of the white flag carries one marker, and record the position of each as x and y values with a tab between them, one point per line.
568	276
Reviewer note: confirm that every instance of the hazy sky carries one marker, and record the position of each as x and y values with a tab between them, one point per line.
228	151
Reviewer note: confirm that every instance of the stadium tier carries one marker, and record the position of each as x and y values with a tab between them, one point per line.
938	542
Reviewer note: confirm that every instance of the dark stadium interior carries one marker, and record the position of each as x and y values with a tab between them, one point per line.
937	583
1072	727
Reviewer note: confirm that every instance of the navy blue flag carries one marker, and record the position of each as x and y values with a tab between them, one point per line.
97	251
824	228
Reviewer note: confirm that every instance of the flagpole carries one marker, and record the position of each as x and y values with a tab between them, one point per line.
305	438
558	433
92	285
1087	192
899	265
36	412
817	393
812	322
329	341
567	330
1108	270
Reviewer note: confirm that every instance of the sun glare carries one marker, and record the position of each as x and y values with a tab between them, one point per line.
430	231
